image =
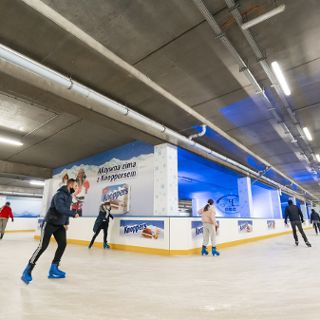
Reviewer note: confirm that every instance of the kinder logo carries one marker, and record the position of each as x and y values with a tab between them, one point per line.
134	228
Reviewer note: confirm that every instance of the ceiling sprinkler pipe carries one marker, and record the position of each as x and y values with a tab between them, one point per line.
90	99
199	134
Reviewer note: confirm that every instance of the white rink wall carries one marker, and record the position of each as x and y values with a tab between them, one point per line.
177	233
22	224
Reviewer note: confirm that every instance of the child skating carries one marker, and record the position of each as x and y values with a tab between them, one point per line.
208	217
102	223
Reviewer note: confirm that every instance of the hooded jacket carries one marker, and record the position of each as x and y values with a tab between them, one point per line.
103	217
59	211
6	212
314	217
294	213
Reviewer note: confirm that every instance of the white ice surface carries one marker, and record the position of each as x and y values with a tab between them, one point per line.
270	279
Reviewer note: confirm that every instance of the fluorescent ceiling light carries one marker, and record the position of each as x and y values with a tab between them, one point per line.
37	183
10	141
263	17
318	157
280	76
307	133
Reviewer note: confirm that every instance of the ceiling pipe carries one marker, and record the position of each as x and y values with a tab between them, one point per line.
234	9
294	139
263	17
27	70
89	41
199	134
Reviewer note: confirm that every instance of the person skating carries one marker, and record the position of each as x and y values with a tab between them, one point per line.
102	223
55	223
315	221
295	216
5	214
208	217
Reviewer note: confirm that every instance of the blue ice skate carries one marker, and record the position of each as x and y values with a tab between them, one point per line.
215	252
204	251
55	273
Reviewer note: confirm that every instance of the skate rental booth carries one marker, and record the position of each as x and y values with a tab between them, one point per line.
156	192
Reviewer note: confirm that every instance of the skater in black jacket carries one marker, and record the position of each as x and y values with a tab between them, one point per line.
295	216
55	224
315	220
102	223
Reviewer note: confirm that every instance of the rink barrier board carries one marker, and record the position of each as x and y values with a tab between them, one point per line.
166	252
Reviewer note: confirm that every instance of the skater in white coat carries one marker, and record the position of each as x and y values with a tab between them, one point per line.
208	217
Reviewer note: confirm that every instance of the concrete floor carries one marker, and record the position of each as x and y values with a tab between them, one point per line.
269	279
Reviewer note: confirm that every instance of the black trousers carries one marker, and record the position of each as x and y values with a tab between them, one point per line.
104	226
316	226
295	225
59	233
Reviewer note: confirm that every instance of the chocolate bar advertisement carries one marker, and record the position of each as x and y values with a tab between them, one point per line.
120	175
119	196
245	226
197	229
142	229
271	224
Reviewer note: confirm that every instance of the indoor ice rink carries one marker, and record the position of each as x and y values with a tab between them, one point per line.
159	160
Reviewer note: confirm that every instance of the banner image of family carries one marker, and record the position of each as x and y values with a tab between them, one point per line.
120	176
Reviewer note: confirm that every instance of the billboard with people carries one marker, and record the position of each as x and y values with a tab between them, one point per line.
120	175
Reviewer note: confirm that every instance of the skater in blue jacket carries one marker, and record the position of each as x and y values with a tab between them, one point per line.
102	223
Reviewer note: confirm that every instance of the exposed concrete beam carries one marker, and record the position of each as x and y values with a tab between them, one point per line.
26	170
19	191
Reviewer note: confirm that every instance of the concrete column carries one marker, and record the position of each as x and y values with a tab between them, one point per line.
46	199
165	180
245	197
276	204
304	211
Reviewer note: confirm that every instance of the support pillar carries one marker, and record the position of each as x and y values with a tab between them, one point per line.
165	180
245	197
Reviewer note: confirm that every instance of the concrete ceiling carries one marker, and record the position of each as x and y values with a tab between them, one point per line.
171	43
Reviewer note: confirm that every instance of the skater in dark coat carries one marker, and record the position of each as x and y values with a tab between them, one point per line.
295	216
102	223
315	220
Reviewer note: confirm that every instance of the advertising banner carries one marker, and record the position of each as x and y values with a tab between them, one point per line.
119	197
197	229
143	229
271	224
124	175
245	226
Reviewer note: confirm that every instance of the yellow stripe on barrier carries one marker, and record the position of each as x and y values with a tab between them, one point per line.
166	252
15	231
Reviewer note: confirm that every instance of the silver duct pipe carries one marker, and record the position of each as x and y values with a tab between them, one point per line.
268	71
79	34
30	71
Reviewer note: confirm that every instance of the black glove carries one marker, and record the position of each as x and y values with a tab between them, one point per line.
302	221
285	221
12	219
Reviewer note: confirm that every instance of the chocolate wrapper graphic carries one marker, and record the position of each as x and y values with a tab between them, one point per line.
245	226
118	195
142	229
